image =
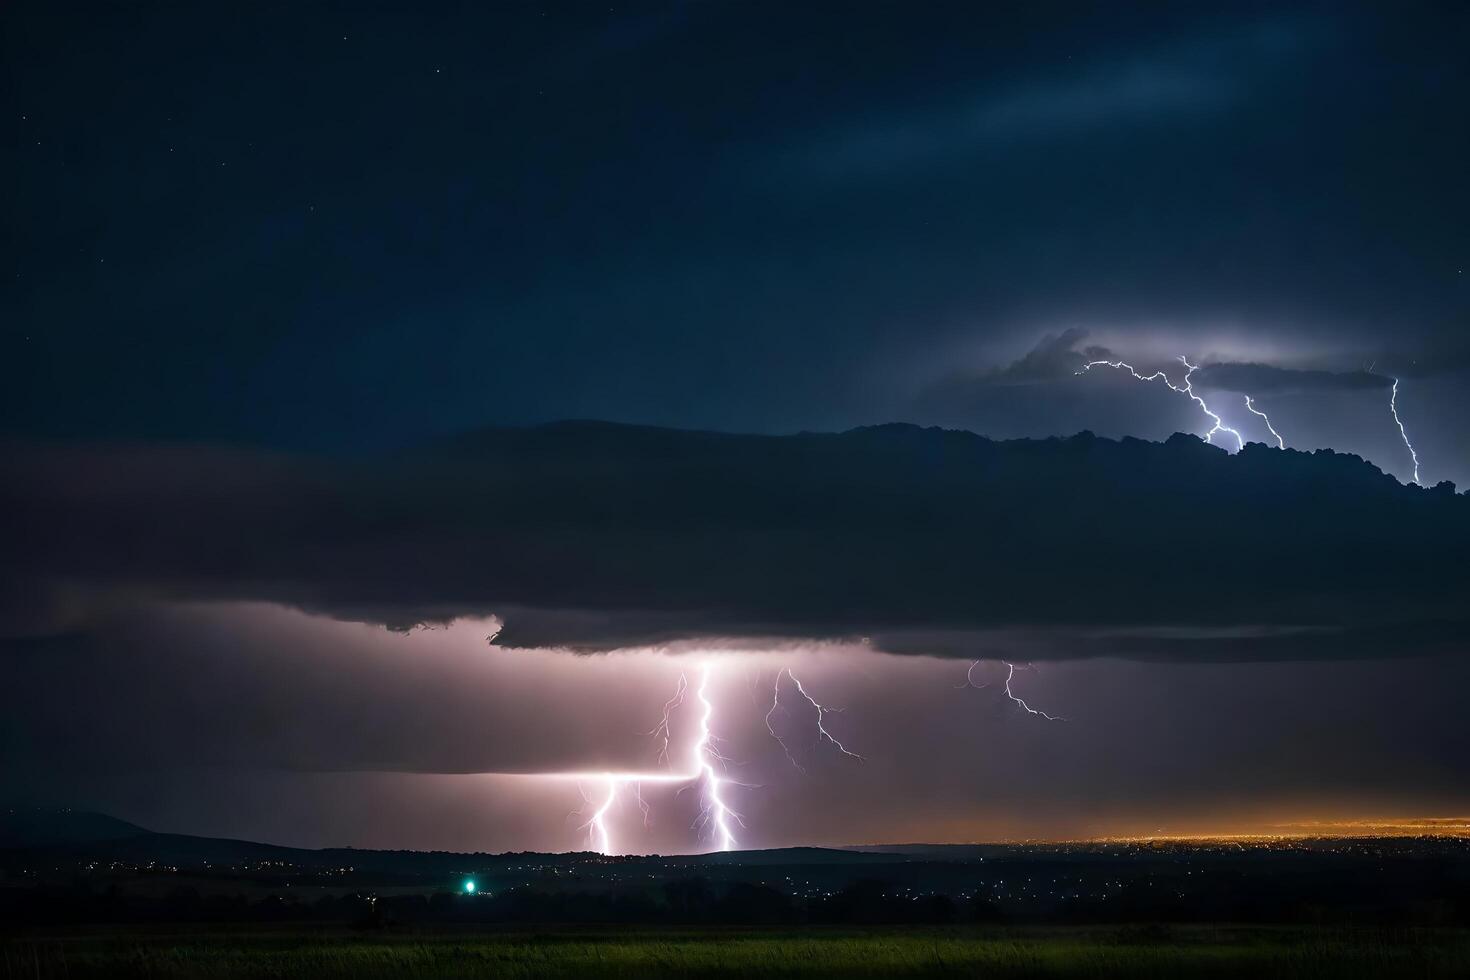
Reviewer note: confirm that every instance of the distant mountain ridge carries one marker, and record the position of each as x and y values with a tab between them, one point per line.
68	842
76	835
36	827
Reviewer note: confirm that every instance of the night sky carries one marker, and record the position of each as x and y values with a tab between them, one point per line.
291	294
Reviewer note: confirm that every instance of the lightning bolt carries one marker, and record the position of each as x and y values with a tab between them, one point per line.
1187	389
643	806
703	755
707	769
599	830
599	836
822	733
707	763
1011	673
970	678
1280	442
1393	407
775	707
661	731
1218	424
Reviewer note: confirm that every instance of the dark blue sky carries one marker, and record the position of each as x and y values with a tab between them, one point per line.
350	227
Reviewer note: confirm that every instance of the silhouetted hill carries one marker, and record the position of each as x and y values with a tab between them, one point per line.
141	848
31	827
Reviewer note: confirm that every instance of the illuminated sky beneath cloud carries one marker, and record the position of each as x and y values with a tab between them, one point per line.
256	721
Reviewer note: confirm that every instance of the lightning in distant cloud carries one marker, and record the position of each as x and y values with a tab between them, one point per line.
1186	389
1280	442
1218	425
1393	407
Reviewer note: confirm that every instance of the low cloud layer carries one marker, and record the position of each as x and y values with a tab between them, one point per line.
1264	379
1057	355
600	536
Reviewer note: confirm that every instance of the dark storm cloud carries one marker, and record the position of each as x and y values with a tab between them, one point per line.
1264	379
1058	356
1448	356
1378	374
1054	356
641	214
600	536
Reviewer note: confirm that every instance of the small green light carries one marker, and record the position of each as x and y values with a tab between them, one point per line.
469	886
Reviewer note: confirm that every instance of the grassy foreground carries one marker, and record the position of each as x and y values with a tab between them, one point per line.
1042	952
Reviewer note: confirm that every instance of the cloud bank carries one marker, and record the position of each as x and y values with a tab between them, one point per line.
1265	379
598	536
1055	356
1058	356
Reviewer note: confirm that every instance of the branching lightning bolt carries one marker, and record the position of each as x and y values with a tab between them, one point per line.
642	804
1280	442
822	732
597	828
822	710
1393	406
1187	389
704	754
1010	673
775	707
706	772
661	731
707	763
1218	425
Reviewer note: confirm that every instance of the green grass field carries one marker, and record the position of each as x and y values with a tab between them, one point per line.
992	952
